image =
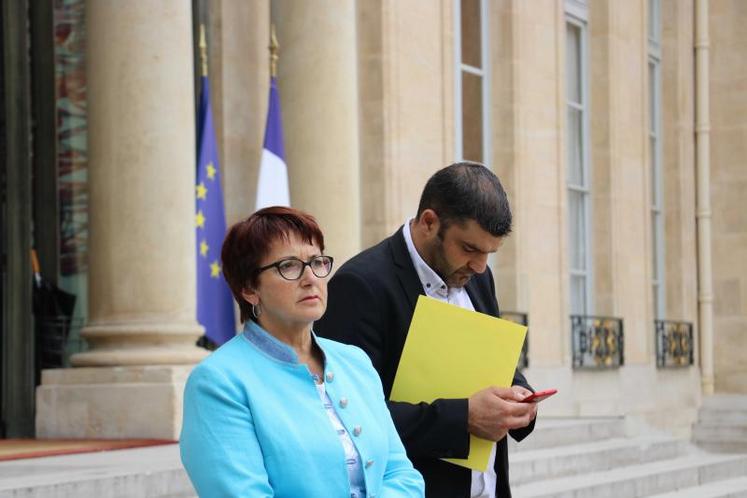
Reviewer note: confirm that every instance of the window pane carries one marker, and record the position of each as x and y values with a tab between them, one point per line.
471	49
69	29
575	148
578	295
573	63
472	138
577	225
72	148
576	174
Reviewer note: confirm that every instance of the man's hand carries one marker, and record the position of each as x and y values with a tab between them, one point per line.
523	392
495	410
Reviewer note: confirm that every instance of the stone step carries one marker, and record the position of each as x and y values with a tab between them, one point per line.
714	416
640	480
554	432
739	447
721	438
527	466
728	431
730	488
722	424
153	472
725	402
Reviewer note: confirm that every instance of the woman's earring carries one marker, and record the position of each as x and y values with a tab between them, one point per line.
256	311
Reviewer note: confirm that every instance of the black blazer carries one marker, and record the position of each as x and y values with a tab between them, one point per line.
371	301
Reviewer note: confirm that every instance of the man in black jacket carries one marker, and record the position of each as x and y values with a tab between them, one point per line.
463	217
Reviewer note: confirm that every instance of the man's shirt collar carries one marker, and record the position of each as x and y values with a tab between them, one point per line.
432	283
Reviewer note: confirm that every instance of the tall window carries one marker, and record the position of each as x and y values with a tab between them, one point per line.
471	84
654	145
577	145
72	149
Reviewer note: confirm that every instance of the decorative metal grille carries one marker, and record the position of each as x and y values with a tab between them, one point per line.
598	342
674	344
521	319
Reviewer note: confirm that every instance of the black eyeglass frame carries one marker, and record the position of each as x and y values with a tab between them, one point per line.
277	264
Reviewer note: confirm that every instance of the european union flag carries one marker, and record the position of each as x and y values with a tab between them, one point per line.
214	299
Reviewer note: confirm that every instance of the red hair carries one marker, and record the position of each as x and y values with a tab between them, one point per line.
249	241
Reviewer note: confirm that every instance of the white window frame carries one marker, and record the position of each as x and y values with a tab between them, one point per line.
482	72
576	14
654	135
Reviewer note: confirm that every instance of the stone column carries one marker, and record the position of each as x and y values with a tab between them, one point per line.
319	99
242	69
142	281
528	115
529	153
406	107
678	158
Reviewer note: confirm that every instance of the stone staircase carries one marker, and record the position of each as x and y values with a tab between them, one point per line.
150	472
722	424
563	458
593	458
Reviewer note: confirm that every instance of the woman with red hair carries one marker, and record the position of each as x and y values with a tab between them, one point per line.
277	411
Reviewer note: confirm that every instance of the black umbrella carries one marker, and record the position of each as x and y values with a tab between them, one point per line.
53	311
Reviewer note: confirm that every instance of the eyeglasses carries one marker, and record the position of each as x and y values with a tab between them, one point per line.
292	268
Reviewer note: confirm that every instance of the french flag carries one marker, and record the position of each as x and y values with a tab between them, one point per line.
272	188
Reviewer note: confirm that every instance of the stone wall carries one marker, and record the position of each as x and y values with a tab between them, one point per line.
359	156
728	77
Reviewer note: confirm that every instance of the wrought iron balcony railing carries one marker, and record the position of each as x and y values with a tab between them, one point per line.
521	319
597	342
674	344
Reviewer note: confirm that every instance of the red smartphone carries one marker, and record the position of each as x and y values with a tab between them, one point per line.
539	396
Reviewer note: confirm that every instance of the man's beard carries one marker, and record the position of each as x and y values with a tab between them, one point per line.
459	278
452	277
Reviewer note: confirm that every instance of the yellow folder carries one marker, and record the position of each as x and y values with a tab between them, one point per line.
451	352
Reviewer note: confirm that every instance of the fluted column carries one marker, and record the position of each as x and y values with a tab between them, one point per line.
318	92
141	142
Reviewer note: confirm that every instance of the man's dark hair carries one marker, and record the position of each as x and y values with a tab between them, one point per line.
468	191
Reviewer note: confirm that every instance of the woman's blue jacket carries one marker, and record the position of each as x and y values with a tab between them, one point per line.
255	426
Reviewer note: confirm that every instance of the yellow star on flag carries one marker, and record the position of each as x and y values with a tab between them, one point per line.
214	269
204	248
210	171
201	191
200	219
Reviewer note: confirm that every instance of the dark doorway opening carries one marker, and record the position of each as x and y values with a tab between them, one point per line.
17	341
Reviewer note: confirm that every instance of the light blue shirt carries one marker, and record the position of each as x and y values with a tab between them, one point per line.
352	458
254	425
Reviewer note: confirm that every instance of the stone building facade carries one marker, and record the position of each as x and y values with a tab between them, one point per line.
617	128
406	72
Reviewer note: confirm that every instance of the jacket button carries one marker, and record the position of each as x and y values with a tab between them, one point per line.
330	376
357	430
343	403
369	463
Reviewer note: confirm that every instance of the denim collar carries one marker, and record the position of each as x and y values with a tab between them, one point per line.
268	344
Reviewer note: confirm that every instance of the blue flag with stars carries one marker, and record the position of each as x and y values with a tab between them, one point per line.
214	299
